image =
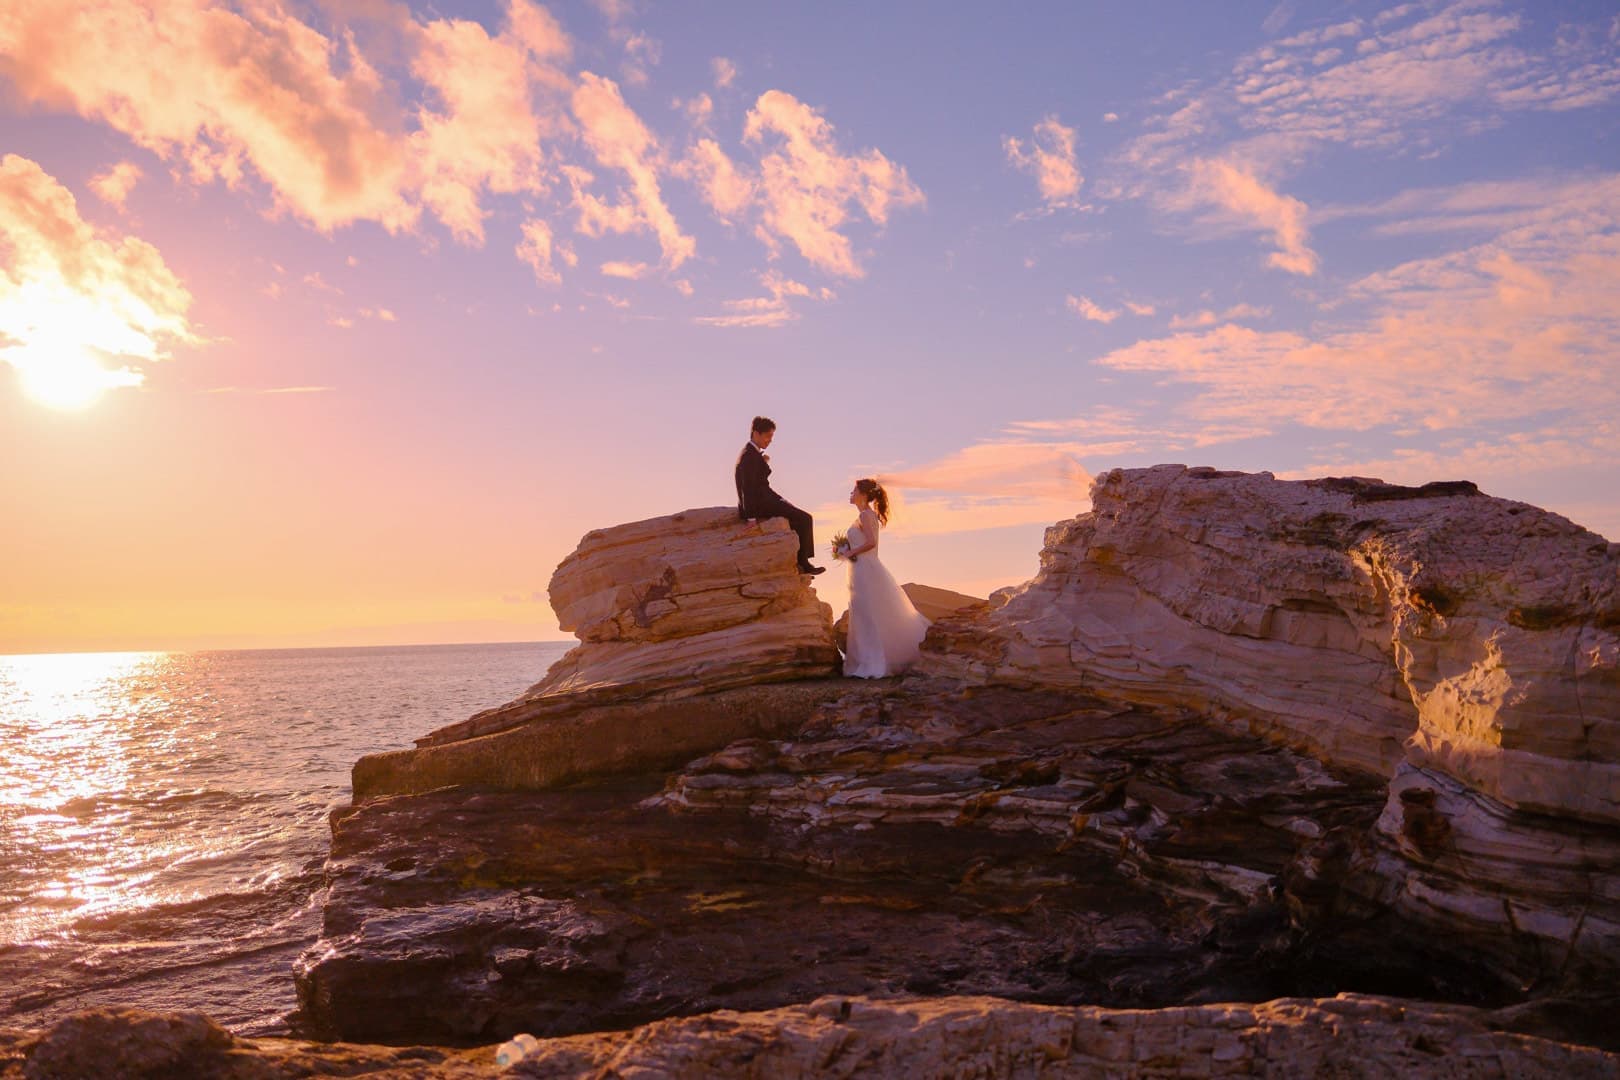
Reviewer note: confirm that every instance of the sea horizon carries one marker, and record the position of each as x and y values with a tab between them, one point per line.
285	648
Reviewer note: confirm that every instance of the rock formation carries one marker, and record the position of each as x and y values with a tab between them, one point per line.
666	610
1465	645
696	601
1347	1036
1240	738
1044	847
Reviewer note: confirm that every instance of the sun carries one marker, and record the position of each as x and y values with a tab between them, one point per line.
66	377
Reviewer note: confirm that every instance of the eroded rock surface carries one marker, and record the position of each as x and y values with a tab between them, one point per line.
949	1037
1464	645
1341	616
695	629
693	601
1240	738
1043	847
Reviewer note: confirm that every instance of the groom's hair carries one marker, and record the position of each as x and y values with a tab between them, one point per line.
762	424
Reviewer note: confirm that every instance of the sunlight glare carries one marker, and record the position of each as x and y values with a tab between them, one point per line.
68	378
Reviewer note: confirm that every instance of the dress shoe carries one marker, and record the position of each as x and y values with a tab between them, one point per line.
806	568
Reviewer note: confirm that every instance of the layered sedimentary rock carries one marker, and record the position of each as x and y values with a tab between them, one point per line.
695	601
1036	846
1463	644
681	619
1167	771
1345	1036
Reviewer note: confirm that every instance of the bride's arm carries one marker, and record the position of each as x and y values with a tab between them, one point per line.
869	530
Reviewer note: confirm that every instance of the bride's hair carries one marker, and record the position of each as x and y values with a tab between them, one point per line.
876	496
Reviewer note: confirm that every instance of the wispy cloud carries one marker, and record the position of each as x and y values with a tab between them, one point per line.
1050	156
114	185
1513	334
726	188
1226	196
482	131
537	248
773	309
1087	309
1411	80
993	484
627	270
1210	317
72	298
619	140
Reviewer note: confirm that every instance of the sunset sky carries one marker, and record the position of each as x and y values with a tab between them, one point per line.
339	322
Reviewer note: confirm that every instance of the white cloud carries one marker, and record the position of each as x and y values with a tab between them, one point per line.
725	72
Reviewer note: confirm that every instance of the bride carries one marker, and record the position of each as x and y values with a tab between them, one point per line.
884	629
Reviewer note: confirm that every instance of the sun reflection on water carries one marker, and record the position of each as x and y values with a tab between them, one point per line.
69	724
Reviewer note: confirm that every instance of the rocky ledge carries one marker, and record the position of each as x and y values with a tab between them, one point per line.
1466	646
1241	739
1347	1036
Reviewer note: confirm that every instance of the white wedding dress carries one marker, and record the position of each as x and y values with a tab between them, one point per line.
884	629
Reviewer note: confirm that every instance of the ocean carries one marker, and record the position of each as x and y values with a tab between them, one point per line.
163	816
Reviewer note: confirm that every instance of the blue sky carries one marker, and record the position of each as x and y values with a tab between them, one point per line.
358	314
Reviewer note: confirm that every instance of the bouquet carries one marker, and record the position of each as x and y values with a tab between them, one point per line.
840	547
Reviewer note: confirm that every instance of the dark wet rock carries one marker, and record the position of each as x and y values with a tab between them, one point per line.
1345	1036
1038	847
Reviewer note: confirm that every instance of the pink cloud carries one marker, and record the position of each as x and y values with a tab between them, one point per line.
73	298
727	190
993	484
773	309
536	249
806	185
619	140
1209	317
627	270
1086	309
1238	196
1504	332
113	186
1051	157
485	133
224	95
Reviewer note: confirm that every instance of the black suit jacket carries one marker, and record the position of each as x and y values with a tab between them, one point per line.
755	499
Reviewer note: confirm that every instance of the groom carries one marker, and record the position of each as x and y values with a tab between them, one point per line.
755	499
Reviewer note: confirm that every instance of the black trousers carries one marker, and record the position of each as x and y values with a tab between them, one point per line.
802	523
